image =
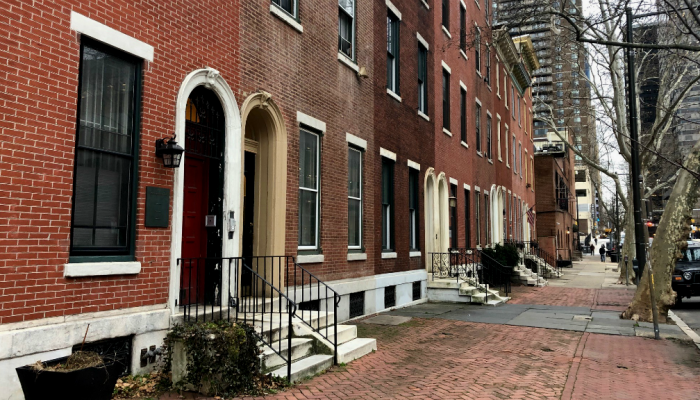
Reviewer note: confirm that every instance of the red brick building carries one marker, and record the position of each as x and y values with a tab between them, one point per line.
305	135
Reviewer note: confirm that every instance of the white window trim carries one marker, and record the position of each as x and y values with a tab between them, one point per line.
393	9
387	154
357	256
463	5
413	165
507	140
467	187
311	122
389	254
423	41
360	199
446	132
477	101
446	67
425	4
310	258
498	117
413	254
348	62
463	86
463	54
110	36
446	32
464	144
356	141
454	181
425	117
394	95
317	229
76	270
284	16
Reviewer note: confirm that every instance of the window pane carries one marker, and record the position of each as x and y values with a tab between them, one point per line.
354	215
354	173
346	14
308	154
286	5
307	218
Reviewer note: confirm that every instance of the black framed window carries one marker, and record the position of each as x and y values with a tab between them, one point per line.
446	14
354	198
309	185
393	44
387	204
488	136
467	219
477	49
104	180
445	99
463	114
422	79
477	116
346	28
453	217
463	29
487	75
290	6
413	208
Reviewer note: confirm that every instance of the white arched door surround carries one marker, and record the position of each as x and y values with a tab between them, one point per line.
443	231
493	214
430	216
261	116
211	79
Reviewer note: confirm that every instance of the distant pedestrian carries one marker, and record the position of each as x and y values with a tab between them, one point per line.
596	241
592	249
602	253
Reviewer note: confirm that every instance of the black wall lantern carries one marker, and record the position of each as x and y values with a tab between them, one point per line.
170	151
453	201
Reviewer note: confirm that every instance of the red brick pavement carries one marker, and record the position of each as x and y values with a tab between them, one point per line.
599	299
617	367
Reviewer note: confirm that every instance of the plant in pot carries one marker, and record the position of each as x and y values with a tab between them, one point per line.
80	376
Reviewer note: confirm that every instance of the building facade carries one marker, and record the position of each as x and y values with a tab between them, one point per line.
355	145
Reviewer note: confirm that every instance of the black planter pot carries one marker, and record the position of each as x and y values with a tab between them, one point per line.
94	383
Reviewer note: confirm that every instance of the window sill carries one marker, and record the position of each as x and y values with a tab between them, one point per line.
478	72
394	95
446	32
491	161
466	146
478	153
77	270
427	7
284	16
446	132
500	159
414	254
498	95
357	256
489	86
310	259
425	117
345	60
387	254
463	54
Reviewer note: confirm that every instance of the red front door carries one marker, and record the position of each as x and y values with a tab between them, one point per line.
194	233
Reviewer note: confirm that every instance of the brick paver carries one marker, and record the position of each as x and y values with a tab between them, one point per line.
613	299
616	367
598	299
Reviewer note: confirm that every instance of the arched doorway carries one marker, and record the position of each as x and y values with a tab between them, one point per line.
430	218
264	187
202	233
443	214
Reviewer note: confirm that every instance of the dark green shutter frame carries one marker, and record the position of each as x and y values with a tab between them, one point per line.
157	207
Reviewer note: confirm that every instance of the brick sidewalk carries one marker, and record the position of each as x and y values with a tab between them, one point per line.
598	299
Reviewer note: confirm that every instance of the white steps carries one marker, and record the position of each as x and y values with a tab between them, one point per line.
466	291
346	333
355	349
306	367
301	347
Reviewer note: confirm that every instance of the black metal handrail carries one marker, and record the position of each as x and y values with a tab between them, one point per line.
312	294
533	249
458	263
203	281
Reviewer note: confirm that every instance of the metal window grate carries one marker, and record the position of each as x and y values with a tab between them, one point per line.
118	348
416	290
389	296
357	304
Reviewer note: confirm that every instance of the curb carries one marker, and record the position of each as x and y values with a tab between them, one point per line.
685	328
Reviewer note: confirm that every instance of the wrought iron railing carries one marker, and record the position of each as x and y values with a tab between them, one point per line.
249	290
312	294
472	265
534	255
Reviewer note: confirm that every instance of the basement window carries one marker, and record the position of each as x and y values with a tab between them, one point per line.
389	296
357	304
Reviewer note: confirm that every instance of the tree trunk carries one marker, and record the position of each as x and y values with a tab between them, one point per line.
627	249
670	239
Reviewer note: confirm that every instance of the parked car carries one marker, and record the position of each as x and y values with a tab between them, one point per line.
686	275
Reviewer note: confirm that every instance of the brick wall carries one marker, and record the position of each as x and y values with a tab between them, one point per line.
39	60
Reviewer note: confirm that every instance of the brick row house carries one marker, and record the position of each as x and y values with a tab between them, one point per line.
351	147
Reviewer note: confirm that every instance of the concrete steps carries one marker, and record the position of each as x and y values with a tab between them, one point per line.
306	367
466	291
